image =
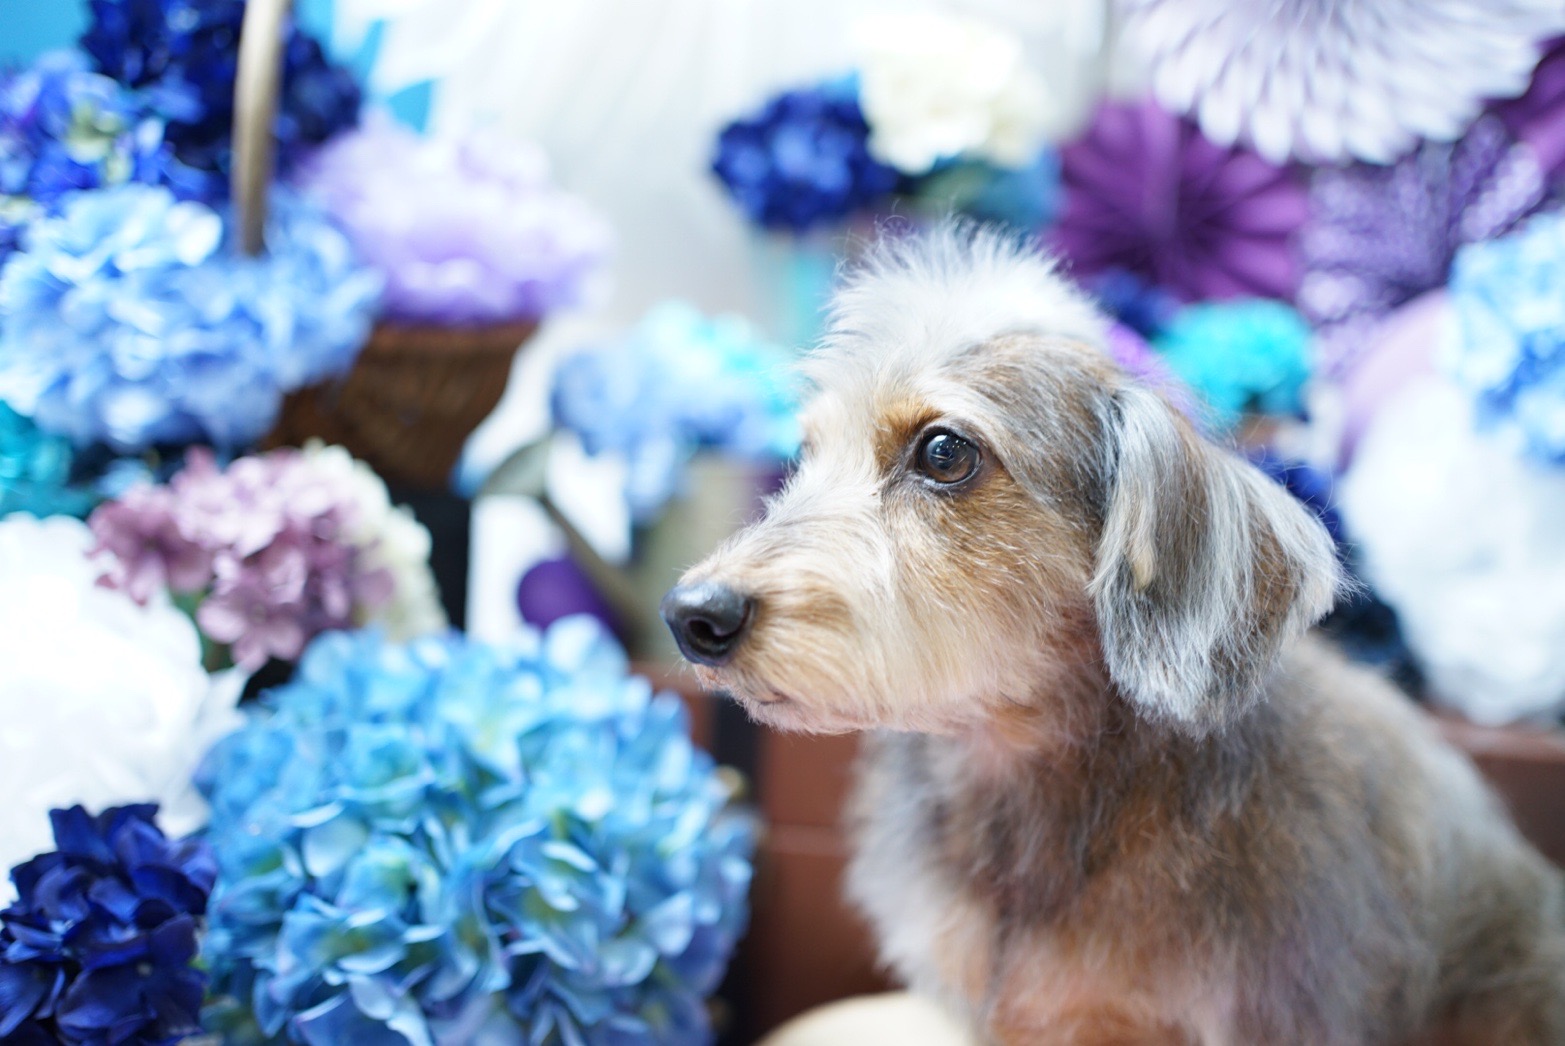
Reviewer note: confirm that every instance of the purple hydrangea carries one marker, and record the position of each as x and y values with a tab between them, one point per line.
263	548
100	943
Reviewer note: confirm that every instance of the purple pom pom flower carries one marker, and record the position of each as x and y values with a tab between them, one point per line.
1147	194
1378	237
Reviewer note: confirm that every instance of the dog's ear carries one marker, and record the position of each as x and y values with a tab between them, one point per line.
1205	568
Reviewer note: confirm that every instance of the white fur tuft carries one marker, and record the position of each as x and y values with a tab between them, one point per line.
923	297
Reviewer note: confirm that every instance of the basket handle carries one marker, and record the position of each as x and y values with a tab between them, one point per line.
257	84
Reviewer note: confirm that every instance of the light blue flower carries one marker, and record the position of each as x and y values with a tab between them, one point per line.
1508	346
448	842
677	383
128	320
1242	356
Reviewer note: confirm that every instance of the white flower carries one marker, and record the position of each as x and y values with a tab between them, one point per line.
1328	80
102	702
1462	537
935	86
391	538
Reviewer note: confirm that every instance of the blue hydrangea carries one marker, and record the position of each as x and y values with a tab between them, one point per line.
181	56
1508	349
1242	356
677	383
98	946
803	160
127	320
450	842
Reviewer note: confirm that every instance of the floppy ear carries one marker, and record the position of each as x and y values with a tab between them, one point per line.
1205	568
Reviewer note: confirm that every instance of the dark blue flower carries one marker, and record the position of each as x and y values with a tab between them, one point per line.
98	946
182	55
803	160
453	842
1309	484
64	128
1133	300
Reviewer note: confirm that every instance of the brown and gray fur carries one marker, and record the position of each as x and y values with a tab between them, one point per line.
1113	793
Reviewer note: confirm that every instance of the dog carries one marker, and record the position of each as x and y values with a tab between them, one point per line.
1112	791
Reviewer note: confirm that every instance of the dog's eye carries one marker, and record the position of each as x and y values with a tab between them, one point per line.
946	457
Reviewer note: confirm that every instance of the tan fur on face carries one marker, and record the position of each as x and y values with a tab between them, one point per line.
1112	796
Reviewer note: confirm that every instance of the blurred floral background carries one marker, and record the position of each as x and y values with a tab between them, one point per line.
333	518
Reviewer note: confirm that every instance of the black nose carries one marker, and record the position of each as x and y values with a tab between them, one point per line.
708	620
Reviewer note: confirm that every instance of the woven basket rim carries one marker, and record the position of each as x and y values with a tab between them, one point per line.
426	339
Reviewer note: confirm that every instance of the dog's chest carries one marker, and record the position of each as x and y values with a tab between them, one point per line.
1002	906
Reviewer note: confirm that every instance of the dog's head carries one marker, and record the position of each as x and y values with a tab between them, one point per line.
987	513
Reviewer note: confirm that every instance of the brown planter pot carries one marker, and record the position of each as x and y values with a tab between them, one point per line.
411	400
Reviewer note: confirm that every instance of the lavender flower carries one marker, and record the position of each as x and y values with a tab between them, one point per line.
1378	237
465	231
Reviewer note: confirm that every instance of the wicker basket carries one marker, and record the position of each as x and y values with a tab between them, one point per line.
415	393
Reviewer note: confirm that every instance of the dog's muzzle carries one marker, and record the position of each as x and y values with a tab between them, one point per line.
709	620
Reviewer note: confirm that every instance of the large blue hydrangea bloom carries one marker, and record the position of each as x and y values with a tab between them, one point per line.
803	160
450	842
127	320
98	946
1508	347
